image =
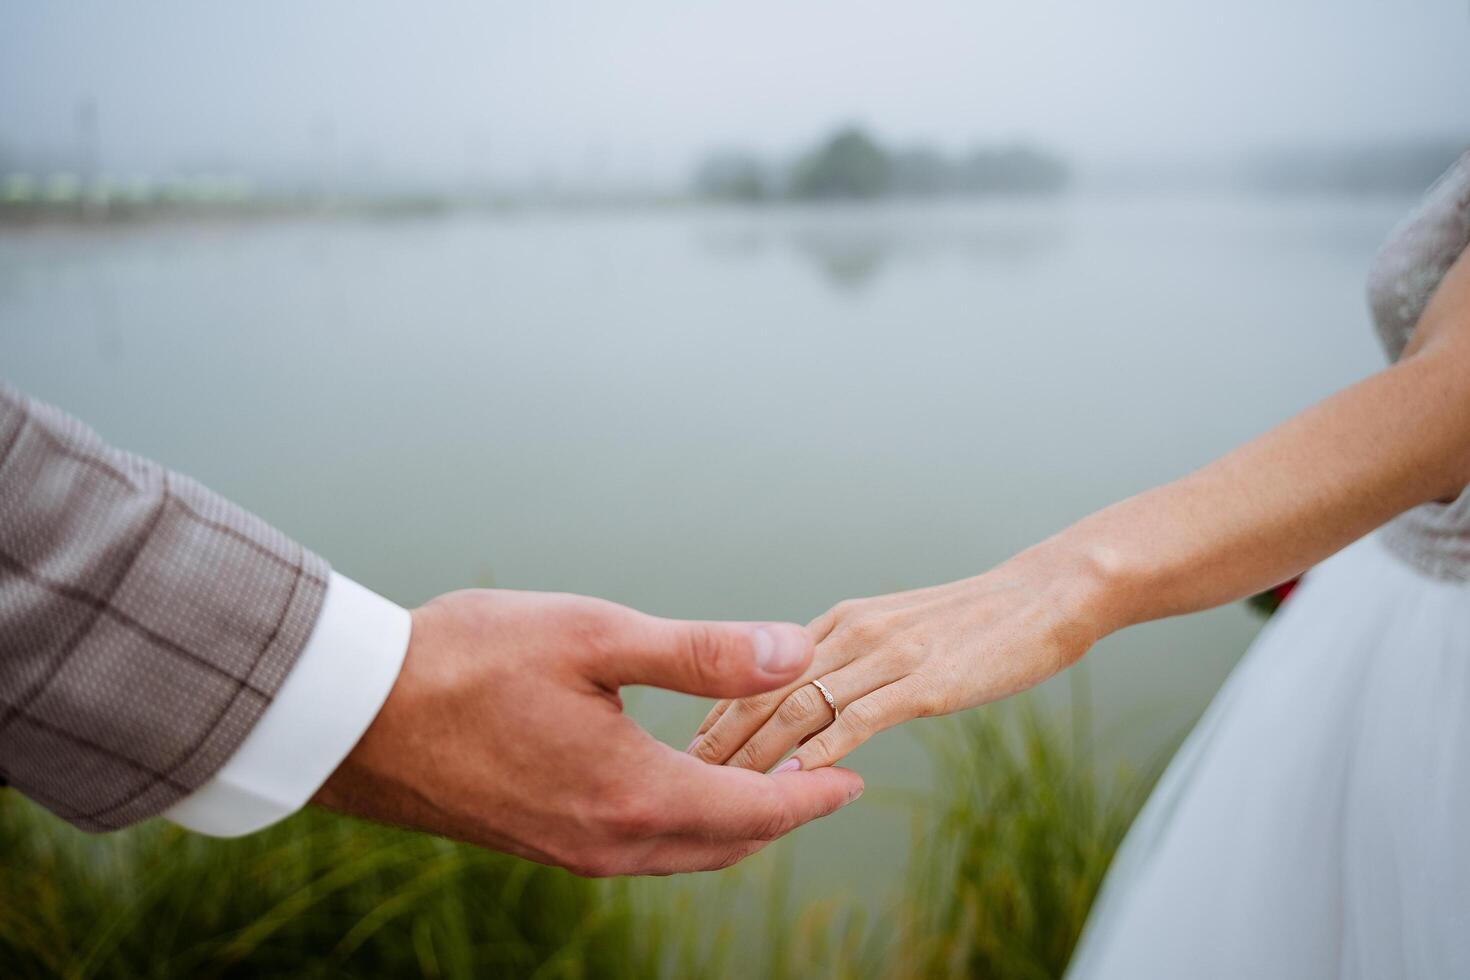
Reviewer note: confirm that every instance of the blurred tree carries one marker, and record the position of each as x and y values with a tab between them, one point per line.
1016	169
849	165
852	165
732	175
922	171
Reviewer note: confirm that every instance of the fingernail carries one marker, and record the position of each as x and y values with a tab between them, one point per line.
854	794
790	765
694	743
778	649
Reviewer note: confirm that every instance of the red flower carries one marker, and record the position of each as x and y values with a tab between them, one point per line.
1285	589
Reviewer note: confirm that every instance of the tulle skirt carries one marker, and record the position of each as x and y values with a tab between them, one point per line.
1316	823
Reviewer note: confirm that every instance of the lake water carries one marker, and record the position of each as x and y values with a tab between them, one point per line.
722	414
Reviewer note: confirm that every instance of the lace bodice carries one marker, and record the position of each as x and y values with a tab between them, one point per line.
1434	538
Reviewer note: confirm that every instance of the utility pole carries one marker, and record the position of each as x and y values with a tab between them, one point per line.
89	155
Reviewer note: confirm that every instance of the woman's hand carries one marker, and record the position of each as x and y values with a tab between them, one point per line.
914	654
1255	517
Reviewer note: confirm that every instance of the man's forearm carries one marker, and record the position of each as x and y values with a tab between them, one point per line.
334	692
146	623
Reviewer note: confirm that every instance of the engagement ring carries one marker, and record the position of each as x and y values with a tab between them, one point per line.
831	701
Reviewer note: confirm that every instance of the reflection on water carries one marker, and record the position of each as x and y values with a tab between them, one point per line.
849	247
715	413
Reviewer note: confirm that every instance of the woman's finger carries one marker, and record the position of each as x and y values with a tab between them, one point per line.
709	720
805	712
745	716
860	721
737	723
819	629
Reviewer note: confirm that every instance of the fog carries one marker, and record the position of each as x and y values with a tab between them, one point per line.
632	93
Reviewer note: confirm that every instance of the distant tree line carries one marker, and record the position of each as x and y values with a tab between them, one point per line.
852	165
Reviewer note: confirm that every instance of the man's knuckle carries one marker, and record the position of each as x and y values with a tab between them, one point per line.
600	867
773	825
635	820
731	856
588	863
594	626
704	651
629	815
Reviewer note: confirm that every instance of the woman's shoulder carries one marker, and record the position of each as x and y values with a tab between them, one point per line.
1410	265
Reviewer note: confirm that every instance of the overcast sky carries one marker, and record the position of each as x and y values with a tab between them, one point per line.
638	88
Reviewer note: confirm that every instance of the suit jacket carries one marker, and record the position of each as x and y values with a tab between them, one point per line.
145	622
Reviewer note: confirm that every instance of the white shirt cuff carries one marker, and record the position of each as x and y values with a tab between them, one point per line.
331	696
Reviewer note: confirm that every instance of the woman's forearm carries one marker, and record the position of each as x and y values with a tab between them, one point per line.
1286	500
1256	517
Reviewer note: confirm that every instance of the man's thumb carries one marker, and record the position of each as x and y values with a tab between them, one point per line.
717	660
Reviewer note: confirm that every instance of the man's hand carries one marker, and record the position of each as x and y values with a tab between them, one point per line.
505	729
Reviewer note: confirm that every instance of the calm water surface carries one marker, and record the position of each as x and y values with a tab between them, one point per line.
716	414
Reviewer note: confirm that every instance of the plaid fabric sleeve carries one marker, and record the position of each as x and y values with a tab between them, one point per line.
145	622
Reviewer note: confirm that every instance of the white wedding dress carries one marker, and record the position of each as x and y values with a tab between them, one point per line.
1316	823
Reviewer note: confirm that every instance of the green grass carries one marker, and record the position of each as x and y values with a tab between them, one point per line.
1017	848
317	896
1008	857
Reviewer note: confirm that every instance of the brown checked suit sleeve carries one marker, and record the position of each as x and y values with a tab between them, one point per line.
145	623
